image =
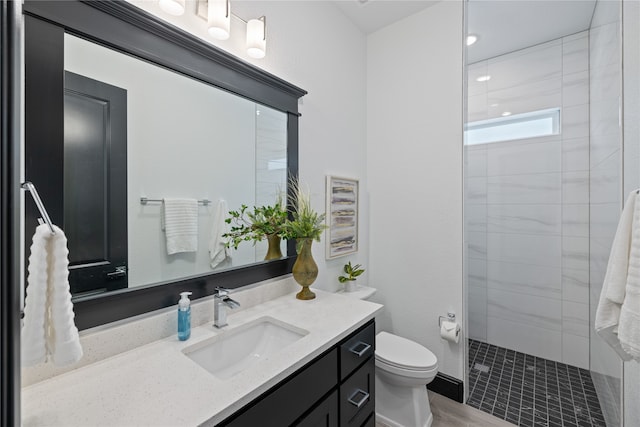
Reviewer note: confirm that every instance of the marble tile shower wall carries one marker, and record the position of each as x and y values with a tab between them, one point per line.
605	186
527	207
270	159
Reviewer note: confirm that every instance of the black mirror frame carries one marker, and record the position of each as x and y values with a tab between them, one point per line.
128	29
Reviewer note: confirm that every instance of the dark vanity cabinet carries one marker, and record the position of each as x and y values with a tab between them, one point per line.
335	389
357	377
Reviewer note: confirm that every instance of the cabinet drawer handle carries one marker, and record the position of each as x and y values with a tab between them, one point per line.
362	401
362	351
119	273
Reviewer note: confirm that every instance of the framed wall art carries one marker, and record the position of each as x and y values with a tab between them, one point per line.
342	216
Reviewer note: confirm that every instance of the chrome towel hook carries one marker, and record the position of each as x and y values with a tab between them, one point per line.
28	186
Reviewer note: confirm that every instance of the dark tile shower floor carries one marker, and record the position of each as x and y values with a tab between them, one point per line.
530	391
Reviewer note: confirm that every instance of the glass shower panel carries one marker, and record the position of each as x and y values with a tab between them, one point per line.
605	190
541	211
631	135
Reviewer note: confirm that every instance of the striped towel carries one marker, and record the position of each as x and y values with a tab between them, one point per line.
49	331
180	225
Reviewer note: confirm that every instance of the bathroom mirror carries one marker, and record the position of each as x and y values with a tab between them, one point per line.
181	138
197	123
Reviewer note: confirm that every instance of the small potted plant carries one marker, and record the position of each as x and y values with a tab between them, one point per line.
351	274
305	226
263	222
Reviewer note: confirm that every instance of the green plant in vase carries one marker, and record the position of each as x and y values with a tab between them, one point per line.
256	225
351	274
305	226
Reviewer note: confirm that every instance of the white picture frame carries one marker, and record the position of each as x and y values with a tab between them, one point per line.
342	199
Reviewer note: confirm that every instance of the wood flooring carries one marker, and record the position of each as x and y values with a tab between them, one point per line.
449	413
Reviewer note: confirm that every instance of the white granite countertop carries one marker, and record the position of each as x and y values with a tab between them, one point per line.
157	385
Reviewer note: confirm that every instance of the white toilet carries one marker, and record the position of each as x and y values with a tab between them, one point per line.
403	370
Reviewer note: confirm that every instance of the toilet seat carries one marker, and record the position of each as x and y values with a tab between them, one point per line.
395	374
403	355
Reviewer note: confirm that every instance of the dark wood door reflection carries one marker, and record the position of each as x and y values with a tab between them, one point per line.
95	184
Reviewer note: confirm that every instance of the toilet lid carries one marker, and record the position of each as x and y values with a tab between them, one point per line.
402	352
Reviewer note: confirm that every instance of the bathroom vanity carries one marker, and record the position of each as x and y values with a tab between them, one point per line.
336	389
324	377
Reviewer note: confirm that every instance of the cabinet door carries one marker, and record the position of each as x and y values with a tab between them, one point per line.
324	415
371	422
357	396
289	400
357	349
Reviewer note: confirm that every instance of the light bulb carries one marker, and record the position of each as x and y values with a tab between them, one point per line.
256	38
219	19
471	39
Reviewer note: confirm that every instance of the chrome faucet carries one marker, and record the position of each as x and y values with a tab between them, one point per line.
222	300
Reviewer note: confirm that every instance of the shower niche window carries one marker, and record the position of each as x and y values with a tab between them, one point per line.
513	127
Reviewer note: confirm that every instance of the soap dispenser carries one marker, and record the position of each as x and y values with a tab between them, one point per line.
184	316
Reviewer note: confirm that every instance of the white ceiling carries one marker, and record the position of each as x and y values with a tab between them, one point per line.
372	15
503	25
506	26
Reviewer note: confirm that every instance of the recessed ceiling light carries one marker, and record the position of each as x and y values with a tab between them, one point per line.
483	78
506	113
471	39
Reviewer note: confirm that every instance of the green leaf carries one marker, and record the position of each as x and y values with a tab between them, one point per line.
352	272
255	225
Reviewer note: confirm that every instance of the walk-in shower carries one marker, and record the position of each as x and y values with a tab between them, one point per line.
544	186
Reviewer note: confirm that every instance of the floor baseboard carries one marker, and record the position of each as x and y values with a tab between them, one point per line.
448	386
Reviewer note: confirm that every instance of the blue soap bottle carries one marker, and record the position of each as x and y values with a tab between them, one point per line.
184	316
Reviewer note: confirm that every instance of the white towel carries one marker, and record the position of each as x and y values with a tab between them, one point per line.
180	224
629	325
49	328
218	250
621	282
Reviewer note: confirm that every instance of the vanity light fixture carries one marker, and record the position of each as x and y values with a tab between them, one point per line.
483	78
218	15
257	37
471	39
219	19
173	7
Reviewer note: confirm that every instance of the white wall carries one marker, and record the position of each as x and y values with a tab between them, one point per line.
414	158
314	46
531	193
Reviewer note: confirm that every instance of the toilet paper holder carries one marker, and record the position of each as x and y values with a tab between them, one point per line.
451	317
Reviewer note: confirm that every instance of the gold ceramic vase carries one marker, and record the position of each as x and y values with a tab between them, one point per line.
305	270
273	252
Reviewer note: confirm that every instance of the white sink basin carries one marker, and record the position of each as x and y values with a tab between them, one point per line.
235	350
